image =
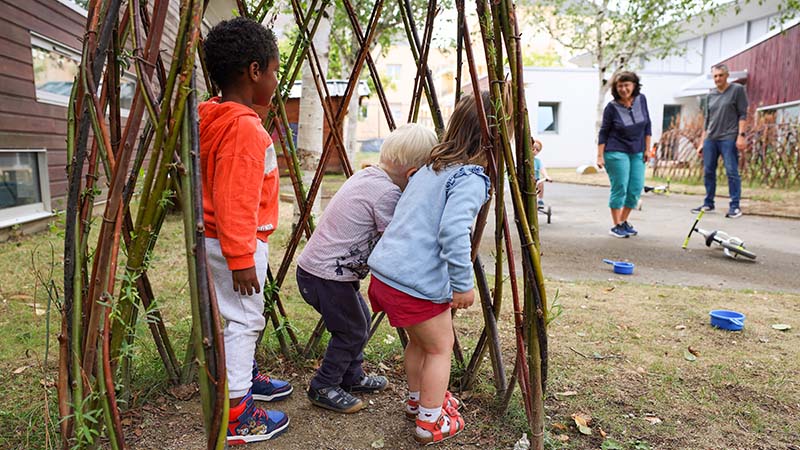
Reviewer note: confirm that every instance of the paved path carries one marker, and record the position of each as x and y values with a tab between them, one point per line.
577	240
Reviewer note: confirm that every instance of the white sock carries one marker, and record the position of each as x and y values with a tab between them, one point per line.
412	396
429	414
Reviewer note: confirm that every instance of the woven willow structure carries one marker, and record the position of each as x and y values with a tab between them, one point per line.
156	150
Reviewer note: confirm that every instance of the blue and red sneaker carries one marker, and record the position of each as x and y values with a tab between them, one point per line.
266	389
249	423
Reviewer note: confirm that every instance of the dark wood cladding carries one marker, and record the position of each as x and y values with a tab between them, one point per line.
26	123
772	69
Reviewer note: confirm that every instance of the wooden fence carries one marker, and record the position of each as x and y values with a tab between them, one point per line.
772	156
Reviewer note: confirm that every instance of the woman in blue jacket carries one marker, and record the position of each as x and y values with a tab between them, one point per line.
624	138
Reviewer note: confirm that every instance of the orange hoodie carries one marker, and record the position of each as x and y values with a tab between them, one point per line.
240	180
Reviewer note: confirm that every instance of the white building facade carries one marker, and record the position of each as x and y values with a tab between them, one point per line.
562	101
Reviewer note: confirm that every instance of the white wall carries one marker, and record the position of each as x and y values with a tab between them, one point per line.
575	91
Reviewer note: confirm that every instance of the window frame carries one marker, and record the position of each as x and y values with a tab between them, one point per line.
664	114
390	72
16	215
556	106
44	43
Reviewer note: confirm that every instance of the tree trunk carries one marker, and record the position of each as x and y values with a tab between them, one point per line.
311	117
602	89
352	127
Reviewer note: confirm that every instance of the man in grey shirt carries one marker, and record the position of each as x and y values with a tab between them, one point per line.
725	121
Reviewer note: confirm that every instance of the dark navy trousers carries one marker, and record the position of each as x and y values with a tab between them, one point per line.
347	318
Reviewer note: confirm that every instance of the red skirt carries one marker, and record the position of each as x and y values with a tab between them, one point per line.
402	309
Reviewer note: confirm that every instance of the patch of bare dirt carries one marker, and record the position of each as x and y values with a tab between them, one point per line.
169	424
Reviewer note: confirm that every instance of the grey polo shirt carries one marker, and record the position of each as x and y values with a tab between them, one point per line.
723	112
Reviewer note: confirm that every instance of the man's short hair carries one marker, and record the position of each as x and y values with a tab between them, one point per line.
721	67
232	45
408	146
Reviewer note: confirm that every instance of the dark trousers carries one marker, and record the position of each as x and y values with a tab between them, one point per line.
730	157
347	317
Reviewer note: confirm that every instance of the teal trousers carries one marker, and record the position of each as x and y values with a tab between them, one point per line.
626	174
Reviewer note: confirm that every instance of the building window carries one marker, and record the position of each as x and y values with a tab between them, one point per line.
547	118
24	188
393	71
54	69
397	112
672	114
783	113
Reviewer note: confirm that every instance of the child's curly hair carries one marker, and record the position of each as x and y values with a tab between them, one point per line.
233	44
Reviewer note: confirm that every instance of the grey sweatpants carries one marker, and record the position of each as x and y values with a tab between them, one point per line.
243	314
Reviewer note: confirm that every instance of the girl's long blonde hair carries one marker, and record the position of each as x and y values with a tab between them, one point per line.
461	143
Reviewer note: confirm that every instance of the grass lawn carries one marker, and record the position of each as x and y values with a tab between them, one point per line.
641	360
755	200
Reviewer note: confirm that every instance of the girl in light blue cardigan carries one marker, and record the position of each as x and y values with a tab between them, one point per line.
422	268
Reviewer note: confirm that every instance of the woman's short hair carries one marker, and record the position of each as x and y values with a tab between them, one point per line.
625	76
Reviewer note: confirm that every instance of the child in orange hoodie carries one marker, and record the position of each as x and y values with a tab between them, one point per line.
240	208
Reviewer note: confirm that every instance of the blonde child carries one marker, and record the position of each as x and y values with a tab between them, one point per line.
539	171
421	267
335	260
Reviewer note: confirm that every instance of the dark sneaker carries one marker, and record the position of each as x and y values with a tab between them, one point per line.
618	231
255	424
705	208
733	213
629	228
336	399
372	383
266	389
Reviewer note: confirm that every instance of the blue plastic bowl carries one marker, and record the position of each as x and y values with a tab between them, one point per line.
620	267
727	320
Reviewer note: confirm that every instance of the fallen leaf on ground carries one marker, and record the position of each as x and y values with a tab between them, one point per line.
560	426
688	356
378	444
693	351
563	438
582	421
653	420
602	433
680	327
19	370
567	393
183	391
782	327
523	443
610	444
39	310
611	288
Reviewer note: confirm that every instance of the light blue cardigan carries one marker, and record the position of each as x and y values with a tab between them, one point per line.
425	250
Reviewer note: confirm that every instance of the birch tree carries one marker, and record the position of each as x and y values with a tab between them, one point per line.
617	34
311	120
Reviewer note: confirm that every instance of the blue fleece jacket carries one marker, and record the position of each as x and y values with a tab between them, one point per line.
425	250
